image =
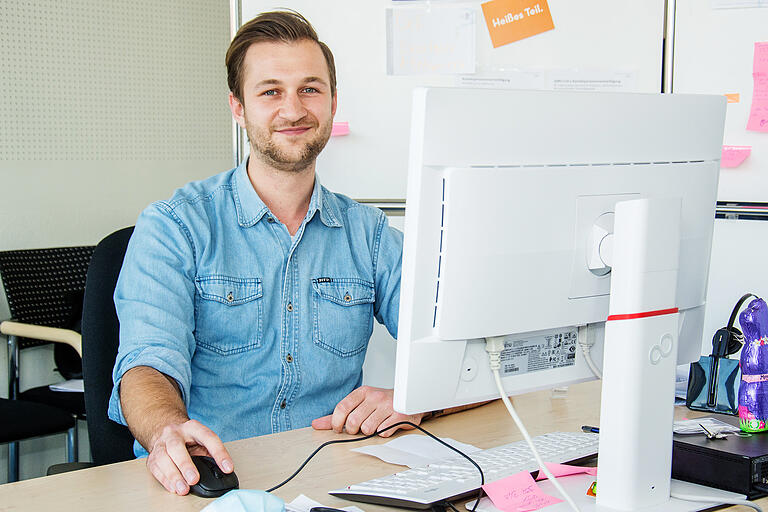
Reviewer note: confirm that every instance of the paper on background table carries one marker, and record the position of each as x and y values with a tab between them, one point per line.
435	40
304	504
68	386
414	450
712	424
559	470
733	156
518	493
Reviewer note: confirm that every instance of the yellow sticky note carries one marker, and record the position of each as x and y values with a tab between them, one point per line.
733	97
511	20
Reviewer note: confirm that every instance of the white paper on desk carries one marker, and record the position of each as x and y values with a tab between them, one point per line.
68	386
485	505
304	504
415	450
693	426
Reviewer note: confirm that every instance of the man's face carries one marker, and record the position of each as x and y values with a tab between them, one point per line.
287	107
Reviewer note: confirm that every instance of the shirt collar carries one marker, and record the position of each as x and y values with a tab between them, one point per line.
250	208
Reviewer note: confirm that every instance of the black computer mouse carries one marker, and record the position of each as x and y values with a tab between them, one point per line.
213	481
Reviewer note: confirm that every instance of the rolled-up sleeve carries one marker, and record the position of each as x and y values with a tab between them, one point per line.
154	299
388	260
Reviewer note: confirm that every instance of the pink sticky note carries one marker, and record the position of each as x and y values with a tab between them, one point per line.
518	493
733	156
559	470
758	114
339	129
760	62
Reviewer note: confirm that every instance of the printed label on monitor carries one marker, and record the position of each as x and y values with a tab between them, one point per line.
555	349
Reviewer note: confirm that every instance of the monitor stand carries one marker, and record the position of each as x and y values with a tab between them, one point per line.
577	485
639	362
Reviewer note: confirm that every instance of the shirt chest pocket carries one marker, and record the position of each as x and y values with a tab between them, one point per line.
342	314
228	313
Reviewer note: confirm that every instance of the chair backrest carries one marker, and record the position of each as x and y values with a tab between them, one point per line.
110	441
45	287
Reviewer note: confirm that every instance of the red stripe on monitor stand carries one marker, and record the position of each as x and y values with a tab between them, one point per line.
643	315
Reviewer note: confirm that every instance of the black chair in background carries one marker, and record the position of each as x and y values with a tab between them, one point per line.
44	290
110	442
20	420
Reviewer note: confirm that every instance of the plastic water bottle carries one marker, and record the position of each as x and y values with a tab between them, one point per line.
753	390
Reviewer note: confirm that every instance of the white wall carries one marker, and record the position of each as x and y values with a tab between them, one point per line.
737	267
105	107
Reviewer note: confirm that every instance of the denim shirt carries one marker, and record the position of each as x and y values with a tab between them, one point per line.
262	333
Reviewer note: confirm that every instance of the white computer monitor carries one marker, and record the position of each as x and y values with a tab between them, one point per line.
507	192
504	188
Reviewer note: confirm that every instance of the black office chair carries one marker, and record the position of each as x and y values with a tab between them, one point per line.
44	289
110	442
20	420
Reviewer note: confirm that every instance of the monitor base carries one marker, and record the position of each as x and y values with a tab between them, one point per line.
576	486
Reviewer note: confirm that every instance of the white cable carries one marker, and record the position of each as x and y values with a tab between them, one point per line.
716	499
494	346
588	358
586	342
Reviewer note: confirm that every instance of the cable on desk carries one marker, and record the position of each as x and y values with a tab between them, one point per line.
714	499
378	432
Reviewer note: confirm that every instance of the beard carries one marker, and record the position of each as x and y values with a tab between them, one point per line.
294	158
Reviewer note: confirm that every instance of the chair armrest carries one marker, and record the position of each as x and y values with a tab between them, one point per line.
39	332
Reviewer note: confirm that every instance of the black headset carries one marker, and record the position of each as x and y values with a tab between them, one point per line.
728	339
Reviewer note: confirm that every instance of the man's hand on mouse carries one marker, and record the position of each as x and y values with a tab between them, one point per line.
367	410
169	459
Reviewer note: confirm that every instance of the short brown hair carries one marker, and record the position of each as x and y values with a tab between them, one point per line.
285	26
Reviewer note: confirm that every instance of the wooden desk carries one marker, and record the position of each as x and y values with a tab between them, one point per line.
262	462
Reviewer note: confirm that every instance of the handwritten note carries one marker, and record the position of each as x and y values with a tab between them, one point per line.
518	493
760	62
733	156
758	114
559	470
511	20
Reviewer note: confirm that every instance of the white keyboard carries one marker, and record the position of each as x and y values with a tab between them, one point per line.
456	477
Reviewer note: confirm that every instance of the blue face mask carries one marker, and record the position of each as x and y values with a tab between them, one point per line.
246	500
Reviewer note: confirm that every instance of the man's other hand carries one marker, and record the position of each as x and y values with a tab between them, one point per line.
170	459
366	410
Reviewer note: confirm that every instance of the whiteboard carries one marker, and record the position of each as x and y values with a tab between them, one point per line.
735	269
713	54
371	162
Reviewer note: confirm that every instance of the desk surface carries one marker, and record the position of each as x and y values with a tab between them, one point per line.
262	462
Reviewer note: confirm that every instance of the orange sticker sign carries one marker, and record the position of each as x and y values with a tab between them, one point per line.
733	98
511	20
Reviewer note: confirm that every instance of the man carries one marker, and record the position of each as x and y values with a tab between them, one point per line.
246	300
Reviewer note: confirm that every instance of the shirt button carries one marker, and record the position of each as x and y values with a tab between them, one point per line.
289	358
270	220
282	404
230	297
289	307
